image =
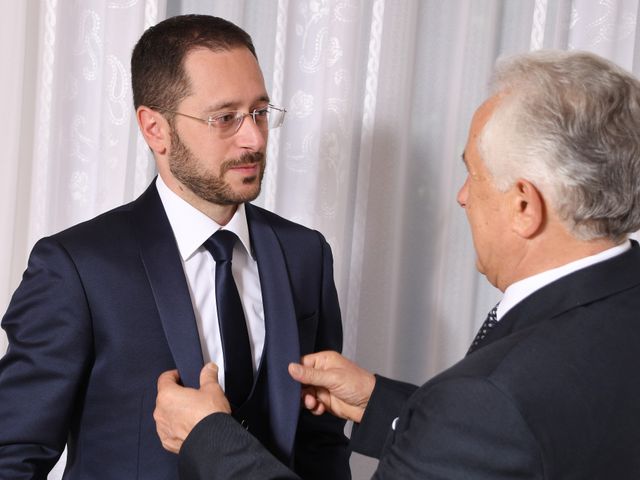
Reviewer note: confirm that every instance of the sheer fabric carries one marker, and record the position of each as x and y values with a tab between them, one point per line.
380	94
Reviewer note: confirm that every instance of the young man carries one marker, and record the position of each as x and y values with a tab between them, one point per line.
107	305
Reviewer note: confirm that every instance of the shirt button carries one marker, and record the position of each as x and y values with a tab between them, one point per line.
394	423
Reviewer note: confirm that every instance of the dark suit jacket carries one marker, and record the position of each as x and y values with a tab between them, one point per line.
104	308
553	393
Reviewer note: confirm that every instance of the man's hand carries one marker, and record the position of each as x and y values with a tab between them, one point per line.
333	384
179	409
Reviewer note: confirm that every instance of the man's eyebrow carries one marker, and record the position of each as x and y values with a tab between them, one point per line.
233	105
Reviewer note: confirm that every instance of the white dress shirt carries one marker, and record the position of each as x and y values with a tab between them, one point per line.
191	228
519	290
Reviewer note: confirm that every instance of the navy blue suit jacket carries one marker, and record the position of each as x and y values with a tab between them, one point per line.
552	393
104	308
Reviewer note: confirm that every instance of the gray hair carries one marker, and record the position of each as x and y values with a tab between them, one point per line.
569	122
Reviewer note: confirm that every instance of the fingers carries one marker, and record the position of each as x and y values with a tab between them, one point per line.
168	442
167	379
333	384
296	371
322	360
312	404
319	369
309	397
310	375
209	375
179	409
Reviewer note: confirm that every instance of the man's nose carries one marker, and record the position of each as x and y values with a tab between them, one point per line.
461	198
250	135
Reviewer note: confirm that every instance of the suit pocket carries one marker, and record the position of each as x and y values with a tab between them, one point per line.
307	330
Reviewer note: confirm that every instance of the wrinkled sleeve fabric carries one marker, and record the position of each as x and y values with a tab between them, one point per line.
218	447
49	334
386	402
458	429
455	429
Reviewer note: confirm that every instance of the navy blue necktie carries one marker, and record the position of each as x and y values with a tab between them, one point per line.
238	369
490	322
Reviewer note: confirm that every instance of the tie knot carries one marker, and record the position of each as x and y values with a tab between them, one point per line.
493	314
490	322
220	245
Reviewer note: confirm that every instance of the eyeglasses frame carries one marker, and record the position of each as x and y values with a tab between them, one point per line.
239	116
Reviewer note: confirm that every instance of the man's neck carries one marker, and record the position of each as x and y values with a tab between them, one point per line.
521	289
547	255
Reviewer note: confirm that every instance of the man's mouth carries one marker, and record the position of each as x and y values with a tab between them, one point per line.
248	164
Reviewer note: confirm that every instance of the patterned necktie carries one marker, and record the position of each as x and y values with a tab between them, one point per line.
238	369
490	322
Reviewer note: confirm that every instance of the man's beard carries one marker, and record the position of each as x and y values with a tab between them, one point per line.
209	187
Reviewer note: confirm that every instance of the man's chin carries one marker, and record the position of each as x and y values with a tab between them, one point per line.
243	195
247	181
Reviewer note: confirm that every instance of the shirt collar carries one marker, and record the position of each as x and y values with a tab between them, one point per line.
521	289
191	228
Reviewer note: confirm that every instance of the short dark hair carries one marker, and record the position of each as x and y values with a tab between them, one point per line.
158	78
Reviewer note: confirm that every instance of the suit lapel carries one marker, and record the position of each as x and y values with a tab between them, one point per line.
161	259
282	343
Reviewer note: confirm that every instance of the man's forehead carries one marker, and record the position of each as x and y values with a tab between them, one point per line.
486	109
202	56
226	77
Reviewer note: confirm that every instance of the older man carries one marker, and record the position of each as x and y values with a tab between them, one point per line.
549	388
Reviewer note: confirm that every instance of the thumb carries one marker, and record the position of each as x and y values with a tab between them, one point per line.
209	375
309	375
168	379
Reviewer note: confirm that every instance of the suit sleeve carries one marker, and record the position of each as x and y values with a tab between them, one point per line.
48	329
386	402
458	429
321	446
218	447
461	428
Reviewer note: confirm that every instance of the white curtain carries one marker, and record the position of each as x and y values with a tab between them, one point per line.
380	94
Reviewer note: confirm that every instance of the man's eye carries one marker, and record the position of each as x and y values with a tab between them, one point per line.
225	119
262	112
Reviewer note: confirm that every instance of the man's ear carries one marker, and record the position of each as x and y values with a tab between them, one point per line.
528	209
154	128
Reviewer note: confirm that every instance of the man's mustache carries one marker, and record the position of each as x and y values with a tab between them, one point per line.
248	158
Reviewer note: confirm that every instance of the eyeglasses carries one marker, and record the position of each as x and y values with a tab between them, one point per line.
228	123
